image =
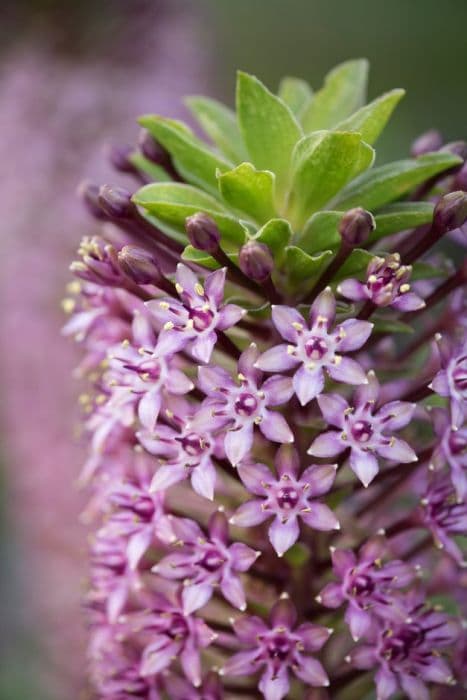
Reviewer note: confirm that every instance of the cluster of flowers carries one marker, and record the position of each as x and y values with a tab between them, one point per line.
214	526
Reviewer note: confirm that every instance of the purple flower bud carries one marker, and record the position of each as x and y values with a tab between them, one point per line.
450	212
115	201
202	232
355	226
457	148
89	193
461	178
119	157
256	261
139	264
427	143
153	150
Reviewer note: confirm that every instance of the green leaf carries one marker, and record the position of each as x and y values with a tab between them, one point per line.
400	217
343	92
387	183
220	124
390	325
370	120
249	190
276	234
200	257
192	158
155	172
270	130
422	270
356	263
300	266
320	232
296	93
172	202
324	162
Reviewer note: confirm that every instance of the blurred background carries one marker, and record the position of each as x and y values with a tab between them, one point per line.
73	77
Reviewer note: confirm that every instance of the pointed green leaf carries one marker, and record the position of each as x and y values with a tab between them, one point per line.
176	193
343	92
401	216
220	124
320	232
324	162
304	269
155	172
199	257
422	271
171	203
269	129
387	183
370	120
355	265
276	234
249	190
192	158
390	325
296	93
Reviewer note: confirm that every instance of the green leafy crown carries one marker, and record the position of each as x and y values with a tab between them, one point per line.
283	169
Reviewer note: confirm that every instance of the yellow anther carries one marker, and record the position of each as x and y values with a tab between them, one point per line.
68	305
241	377
298	326
290	349
199	289
179	288
164	305
168	326
404	288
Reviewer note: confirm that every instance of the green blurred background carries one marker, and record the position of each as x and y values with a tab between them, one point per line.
420	45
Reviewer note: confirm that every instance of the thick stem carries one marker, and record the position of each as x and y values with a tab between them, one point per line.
441	292
329	273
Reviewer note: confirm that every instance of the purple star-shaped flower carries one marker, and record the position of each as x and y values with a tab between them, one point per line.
451	380
386	284
364	431
409	654
286	497
316	348
194	319
167	633
445	517
112	579
144	373
205	562
452	448
187	452
139	516
367	585
238	407
278	649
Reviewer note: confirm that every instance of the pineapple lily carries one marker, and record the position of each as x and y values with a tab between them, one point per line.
266	296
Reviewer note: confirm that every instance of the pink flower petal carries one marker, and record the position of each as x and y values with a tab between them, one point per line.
327	445
274	427
308	383
283	318
283	535
356	333
333	407
364	465
276	359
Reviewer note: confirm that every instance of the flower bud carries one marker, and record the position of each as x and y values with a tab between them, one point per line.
356	226
427	143
461	178
450	212
255	261
202	232
115	201
153	150
89	193
139	264
119	157
457	148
